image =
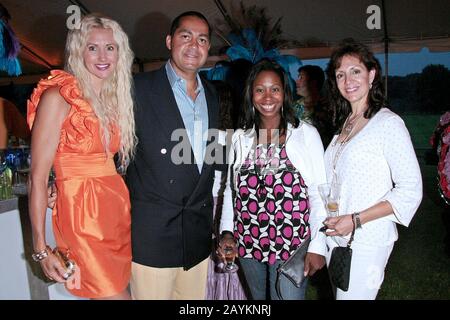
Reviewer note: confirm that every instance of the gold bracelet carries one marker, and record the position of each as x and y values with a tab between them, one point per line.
41	255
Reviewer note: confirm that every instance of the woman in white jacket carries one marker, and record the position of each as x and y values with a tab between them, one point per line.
276	165
373	160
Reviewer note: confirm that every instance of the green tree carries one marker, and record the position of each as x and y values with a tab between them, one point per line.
403	93
433	87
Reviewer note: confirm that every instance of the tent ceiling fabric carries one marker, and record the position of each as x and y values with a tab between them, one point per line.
316	25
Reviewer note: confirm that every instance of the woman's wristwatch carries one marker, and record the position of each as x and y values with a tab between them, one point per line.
357	220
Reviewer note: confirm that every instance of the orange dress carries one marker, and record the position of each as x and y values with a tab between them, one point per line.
91	217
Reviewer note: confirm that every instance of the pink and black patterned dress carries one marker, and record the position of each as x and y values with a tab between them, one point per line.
272	206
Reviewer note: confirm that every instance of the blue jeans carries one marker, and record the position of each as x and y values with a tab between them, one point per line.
261	276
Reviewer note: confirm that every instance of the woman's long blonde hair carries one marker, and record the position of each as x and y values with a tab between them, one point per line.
114	105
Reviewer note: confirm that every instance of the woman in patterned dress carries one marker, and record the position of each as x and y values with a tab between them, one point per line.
276	164
80	118
373	160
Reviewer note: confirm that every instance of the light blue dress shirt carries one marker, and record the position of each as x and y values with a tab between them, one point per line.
193	113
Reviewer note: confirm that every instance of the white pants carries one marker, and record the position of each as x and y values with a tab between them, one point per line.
367	270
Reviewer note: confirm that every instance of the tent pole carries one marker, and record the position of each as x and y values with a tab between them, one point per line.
386	49
83	8
386	65
34	54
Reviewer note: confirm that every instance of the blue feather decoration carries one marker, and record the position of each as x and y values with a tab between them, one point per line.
9	48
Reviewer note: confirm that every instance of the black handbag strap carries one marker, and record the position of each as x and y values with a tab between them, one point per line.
353	233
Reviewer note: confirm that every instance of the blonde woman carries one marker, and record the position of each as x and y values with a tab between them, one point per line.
80	118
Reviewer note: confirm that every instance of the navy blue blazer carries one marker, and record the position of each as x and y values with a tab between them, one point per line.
171	222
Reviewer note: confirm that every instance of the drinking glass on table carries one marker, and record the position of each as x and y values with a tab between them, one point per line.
330	195
21	172
19	182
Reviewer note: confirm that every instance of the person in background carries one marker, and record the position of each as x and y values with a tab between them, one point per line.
440	142
312	107
222	285
12	123
236	77
276	165
80	118
9	45
373	160
309	84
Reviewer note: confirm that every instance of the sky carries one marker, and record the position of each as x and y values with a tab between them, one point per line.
402	64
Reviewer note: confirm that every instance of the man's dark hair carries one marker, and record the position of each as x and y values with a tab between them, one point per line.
314	73
177	21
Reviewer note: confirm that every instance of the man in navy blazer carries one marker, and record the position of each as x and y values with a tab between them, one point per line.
172	202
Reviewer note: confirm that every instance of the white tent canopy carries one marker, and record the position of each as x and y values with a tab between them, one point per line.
314	25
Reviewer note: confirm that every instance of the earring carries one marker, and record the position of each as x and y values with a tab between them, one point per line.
370	86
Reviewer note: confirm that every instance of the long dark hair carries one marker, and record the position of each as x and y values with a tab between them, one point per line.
224	93
250	115
340	106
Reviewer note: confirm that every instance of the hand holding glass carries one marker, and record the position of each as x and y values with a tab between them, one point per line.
229	252
330	196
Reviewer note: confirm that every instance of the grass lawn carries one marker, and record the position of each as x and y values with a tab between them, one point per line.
419	267
421	128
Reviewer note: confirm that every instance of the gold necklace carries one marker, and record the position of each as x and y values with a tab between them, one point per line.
348	129
340	149
350	124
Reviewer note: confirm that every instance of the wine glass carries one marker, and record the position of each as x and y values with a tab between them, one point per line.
19	182
330	193
230	255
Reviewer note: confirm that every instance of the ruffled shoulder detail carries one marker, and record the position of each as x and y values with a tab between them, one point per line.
69	90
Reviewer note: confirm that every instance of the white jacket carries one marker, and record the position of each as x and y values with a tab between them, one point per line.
378	164
305	150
